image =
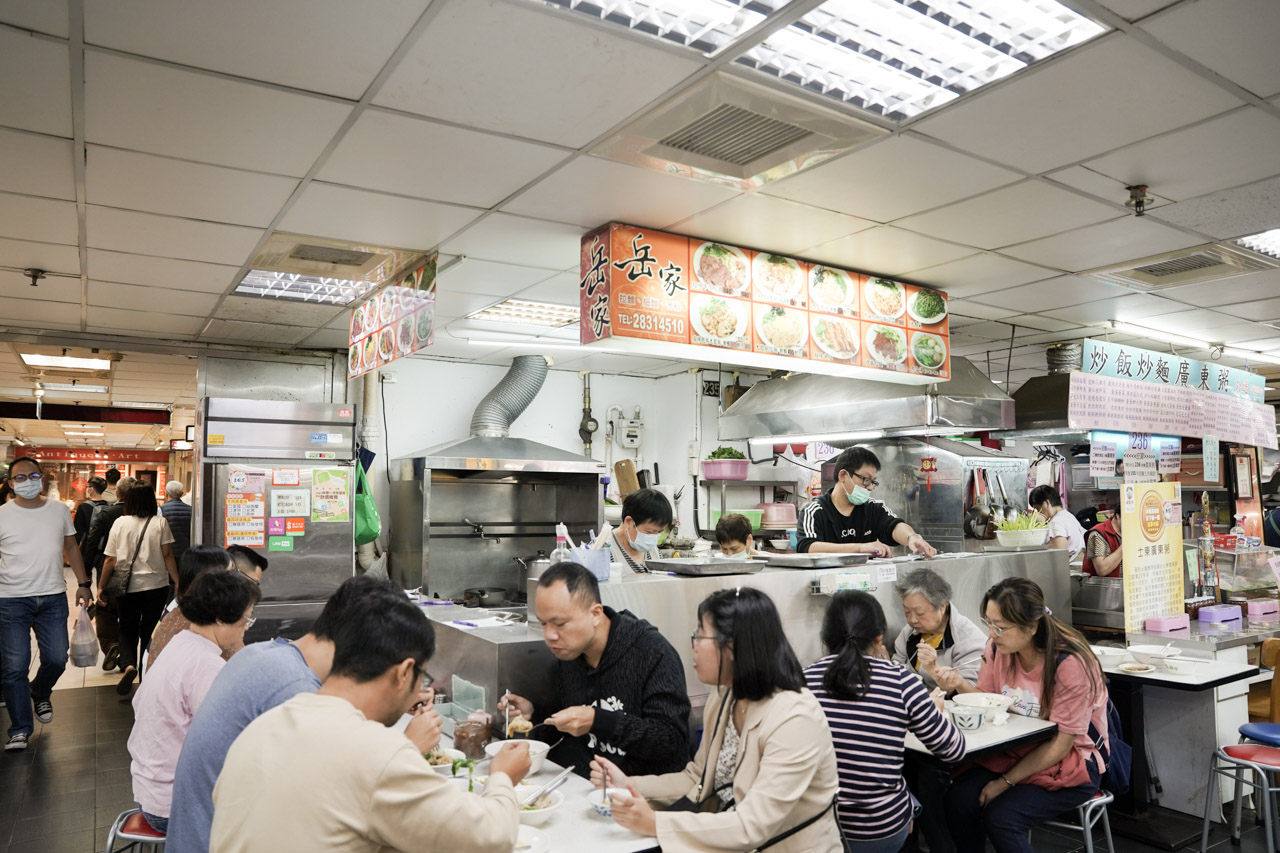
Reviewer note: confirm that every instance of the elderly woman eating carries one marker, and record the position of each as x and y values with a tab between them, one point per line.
935	635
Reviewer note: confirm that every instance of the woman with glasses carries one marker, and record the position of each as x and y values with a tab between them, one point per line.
195	562
847	520
764	776
1050	671
139	545
219	606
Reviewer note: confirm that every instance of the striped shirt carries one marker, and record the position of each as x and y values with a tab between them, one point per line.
869	735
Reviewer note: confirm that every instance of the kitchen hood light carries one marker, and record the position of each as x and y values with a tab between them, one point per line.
303	288
523	312
1159	335
1266	243
85	433
900	59
704	25
65	362
865	435
140	405
1250	355
73	386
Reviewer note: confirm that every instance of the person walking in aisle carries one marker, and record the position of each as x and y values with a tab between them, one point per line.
178	514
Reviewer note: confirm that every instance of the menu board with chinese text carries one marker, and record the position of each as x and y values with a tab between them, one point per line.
1152	544
394	322
646	284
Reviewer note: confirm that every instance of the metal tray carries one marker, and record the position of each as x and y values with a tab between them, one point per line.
816	561
705	566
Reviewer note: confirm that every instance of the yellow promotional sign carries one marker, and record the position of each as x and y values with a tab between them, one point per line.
1151	535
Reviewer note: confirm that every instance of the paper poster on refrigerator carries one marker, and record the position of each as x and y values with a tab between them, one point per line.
330	495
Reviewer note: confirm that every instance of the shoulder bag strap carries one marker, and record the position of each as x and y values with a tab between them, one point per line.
782	836
136	550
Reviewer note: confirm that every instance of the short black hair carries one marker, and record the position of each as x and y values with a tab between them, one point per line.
1041	494
197	560
377	633
853	458
763	660
247	558
339	604
577	579
140	501
218	597
113	476
27	459
98	484
647	505
734	527
5	493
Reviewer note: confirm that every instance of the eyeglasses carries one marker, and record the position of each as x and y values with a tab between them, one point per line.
867	482
995	630
695	637
22	478
248	622
426	680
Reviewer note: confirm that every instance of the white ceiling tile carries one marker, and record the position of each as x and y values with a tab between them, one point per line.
1267	344
1095	184
589	191
257	309
1044	324
980	274
519	240
1190	322
127	179
1263	309
455	304
412	156
1135	9
536	73
1241	288
771	224
36	165
28	218
562	289
38	313
50	289
958	308
260	333
996	331
1228	214
1226	152
1055	293
42	102
1236	38
487	278
167	236
150	299
1107	243
51	18
1009	215
1104	95
885	250
330	46
892	179
116	320
159	272
326	210
1134	308
327	339
45	256
202	117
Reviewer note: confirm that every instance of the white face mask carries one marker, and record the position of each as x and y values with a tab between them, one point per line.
27	489
741	555
643	541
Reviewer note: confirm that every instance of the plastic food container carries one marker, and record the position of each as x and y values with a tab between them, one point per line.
1168	622
1022	538
1264	608
725	469
753	516
1219	613
778	515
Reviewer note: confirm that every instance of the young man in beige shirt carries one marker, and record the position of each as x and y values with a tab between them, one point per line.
324	772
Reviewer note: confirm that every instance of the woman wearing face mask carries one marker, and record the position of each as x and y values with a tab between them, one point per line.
847	520
645	514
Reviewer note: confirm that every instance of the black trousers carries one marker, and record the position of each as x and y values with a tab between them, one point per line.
139	614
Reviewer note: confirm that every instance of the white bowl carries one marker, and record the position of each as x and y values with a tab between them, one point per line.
596	798
537	751
968	718
1022	538
452	755
537	817
780	544
613	512
1109	655
1152	655
991	702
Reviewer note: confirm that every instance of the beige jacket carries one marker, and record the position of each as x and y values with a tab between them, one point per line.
786	774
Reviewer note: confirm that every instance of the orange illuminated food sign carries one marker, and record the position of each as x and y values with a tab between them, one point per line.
393	322
640	283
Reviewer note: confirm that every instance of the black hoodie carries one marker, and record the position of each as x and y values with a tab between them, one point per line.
639	695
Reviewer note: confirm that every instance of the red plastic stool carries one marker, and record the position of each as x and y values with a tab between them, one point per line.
1261	762
132	827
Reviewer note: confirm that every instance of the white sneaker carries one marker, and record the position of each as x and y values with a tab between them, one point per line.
16	743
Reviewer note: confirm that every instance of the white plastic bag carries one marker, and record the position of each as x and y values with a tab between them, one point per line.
84	641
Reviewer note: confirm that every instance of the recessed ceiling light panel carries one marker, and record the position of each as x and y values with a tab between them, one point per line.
1267	243
523	312
704	25
303	288
65	362
73	386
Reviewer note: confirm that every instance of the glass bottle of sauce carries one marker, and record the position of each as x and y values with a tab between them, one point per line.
470	737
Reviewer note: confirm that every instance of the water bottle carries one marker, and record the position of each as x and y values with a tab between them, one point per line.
561	553
1237	532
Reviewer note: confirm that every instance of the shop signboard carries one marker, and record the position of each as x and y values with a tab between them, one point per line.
67	454
656	293
1104	358
1152	543
393	322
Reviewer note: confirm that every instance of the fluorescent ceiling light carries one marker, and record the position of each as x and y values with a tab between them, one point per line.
81	426
1267	243
704	25
303	288
86	433
73	386
1250	355
479	342
524	312
65	361
900	59
865	435
1160	335
140	405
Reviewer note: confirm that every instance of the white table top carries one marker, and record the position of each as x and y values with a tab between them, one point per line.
1192	674
576	826
991	738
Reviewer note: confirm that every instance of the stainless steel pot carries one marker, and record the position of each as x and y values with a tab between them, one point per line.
534	566
485	596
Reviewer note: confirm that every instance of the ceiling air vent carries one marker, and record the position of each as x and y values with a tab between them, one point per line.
729	131
330	255
1188	266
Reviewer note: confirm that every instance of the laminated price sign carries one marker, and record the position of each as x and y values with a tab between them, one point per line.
1152	542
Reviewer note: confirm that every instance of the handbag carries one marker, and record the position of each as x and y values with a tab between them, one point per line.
368	524
119	583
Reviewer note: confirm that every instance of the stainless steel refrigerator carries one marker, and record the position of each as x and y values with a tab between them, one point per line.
279	478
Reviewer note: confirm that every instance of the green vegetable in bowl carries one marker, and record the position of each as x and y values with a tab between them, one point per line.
928	304
723	452
1025	521
470	765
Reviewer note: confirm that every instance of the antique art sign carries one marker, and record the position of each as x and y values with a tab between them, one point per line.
1152	544
393	322
701	298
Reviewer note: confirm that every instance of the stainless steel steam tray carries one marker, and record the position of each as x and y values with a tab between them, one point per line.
705	566
816	561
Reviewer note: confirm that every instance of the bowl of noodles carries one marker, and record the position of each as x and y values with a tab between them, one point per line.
886	345
720	319
830	287
885	298
781	328
776	276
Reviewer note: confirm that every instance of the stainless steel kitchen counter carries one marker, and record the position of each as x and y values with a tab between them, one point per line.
1202	637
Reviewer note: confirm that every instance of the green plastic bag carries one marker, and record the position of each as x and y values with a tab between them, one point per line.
368	524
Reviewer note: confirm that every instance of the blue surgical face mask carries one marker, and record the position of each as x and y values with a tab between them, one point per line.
859	495
27	489
741	555
645	541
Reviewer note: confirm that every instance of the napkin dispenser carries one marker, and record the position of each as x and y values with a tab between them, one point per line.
1168	622
1264	609
1220	613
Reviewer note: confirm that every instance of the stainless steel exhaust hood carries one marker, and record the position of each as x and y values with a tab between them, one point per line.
805	404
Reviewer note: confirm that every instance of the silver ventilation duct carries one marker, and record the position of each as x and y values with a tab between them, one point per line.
510	397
